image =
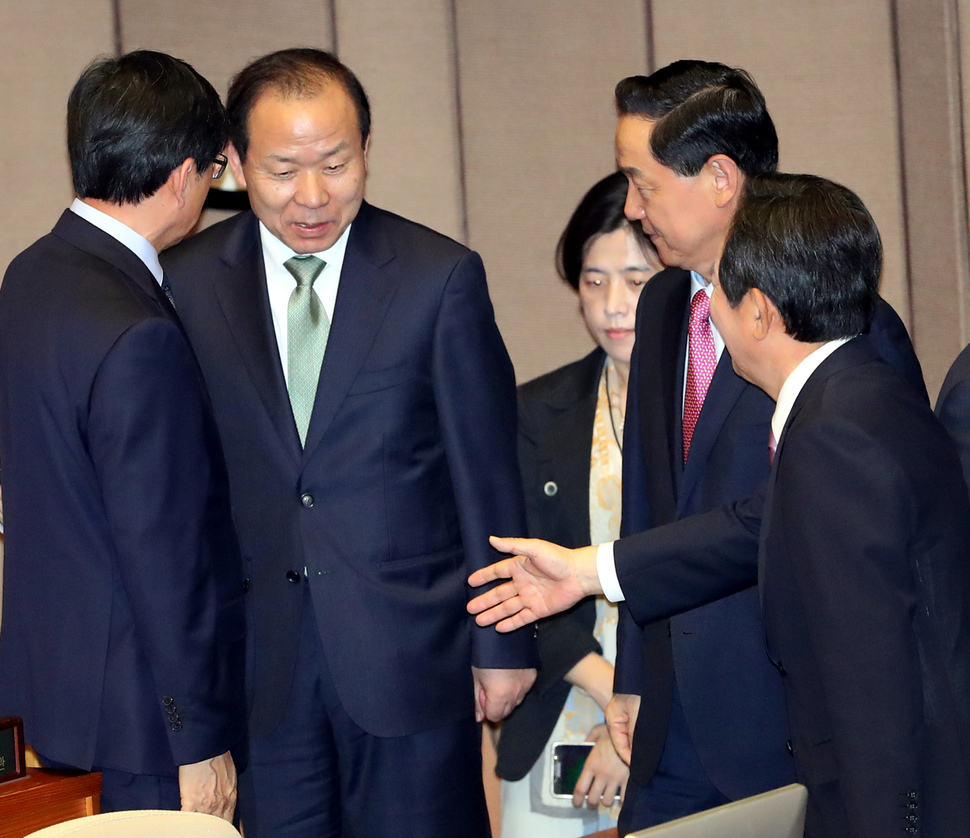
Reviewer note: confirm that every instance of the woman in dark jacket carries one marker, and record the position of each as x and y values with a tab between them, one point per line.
570	448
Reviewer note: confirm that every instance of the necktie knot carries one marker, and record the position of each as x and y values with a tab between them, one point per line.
700	311
305	268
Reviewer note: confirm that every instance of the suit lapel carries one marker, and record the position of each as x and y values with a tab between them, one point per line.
856	351
567	447
368	281
660	377
673	357
242	294
725	390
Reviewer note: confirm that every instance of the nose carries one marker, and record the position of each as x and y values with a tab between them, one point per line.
617	301
311	190
632	206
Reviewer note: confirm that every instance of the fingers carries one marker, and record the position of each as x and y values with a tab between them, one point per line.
499	570
502	690
515	546
491	598
603	779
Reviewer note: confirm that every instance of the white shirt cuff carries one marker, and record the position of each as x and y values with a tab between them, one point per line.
606	571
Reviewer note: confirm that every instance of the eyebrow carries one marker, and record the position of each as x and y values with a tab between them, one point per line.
330	152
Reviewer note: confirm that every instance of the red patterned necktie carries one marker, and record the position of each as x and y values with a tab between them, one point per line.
701	361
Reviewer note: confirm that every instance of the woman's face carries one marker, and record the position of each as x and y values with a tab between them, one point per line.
614	272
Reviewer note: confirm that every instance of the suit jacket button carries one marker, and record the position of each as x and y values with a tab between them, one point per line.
167	700
245	584
791	750
551	489
292	576
176	726
306	499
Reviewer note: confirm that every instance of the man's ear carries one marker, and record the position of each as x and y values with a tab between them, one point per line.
178	181
236	165
765	314
726	178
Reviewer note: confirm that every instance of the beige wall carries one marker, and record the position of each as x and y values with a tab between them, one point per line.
491	117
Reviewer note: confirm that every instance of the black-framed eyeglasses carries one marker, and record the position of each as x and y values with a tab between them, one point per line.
219	166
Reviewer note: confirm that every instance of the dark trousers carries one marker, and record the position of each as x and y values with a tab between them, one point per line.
319	774
680	785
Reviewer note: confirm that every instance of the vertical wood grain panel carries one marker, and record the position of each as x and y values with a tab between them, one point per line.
538	120
44	46
403	54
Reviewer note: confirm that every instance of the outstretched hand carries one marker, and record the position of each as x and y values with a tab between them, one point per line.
545	579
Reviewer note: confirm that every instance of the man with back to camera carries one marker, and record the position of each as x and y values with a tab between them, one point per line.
364	485
863	557
712	726
123	623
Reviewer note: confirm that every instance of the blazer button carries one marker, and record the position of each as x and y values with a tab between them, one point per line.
176	726
167	700
292	576
306	499
245	584
551	489
791	750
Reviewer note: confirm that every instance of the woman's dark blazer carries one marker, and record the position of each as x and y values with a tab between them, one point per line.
556	414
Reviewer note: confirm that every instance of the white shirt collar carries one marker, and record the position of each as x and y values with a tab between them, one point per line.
276	252
120	232
796	380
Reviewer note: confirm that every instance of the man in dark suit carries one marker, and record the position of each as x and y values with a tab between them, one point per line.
123	621
862	560
712	726
364	486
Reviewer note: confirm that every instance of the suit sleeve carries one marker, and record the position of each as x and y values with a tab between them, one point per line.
847	514
953	410
688	563
148	443
475	394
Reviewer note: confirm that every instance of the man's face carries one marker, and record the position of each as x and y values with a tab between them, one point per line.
678	213
306	166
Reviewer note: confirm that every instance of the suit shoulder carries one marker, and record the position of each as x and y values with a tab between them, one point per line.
565	384
956	377
413	235
666	282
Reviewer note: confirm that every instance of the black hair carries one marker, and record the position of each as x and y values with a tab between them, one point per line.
702	108
812	248
133	120
299	72
599	212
